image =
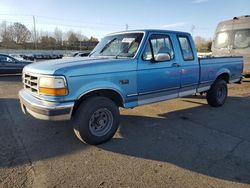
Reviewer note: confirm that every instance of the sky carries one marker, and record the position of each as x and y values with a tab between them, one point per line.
100	17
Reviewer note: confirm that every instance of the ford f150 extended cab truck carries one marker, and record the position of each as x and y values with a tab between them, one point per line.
126	69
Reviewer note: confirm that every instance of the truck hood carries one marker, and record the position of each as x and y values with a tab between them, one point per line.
77	66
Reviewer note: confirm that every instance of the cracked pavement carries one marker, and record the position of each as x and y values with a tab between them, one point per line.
177	143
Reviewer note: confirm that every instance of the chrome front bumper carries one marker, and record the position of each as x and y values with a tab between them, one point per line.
45	110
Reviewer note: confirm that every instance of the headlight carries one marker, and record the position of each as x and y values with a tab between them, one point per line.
54	85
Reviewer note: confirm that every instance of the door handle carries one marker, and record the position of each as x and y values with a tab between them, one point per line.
176	65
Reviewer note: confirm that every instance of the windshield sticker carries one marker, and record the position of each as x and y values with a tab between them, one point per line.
128	40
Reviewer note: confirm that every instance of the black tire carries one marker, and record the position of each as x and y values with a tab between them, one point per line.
217	94
96	120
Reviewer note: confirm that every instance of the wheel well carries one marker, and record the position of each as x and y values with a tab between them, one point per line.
224	76
111	94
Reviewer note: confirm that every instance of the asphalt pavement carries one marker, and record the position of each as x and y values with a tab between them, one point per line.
177	143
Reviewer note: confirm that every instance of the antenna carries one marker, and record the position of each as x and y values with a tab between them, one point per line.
126	26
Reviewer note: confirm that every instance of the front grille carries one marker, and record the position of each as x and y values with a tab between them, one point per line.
30	82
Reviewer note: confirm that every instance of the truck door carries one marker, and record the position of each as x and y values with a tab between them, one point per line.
189	66
158	75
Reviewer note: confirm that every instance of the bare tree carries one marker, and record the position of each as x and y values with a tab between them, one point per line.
202	44
209	45
93	39
3	30
18	36
81	37
47	42
199	41
73	40
58	35
20	33
6	35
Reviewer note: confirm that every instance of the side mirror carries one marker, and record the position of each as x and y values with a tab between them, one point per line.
162	57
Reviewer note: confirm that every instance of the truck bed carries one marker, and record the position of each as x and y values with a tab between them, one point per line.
231	65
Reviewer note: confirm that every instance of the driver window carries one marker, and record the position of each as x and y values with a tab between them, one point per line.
158	44
10	60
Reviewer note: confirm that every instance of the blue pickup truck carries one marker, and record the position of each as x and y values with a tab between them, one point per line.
126	69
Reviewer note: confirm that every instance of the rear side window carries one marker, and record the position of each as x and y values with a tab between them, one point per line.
187	52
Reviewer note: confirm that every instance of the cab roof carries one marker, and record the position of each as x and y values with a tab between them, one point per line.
151	31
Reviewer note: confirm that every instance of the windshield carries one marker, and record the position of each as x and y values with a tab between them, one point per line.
120	45
221	40
241	39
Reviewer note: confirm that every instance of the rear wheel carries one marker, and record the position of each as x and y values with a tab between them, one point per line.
217	94
96	120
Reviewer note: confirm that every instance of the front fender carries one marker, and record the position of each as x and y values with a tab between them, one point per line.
94	86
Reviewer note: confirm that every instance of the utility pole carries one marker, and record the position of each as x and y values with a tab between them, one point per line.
126	26
34	23
192	30
80	43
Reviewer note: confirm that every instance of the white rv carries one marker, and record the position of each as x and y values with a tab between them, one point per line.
232	38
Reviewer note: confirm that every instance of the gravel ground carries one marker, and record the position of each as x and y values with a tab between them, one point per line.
177	143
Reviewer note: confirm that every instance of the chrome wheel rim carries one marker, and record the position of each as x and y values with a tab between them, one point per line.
101	122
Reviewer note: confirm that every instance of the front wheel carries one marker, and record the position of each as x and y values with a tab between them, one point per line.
217	94
96	120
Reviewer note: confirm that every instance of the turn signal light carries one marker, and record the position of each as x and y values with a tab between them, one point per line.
53	91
